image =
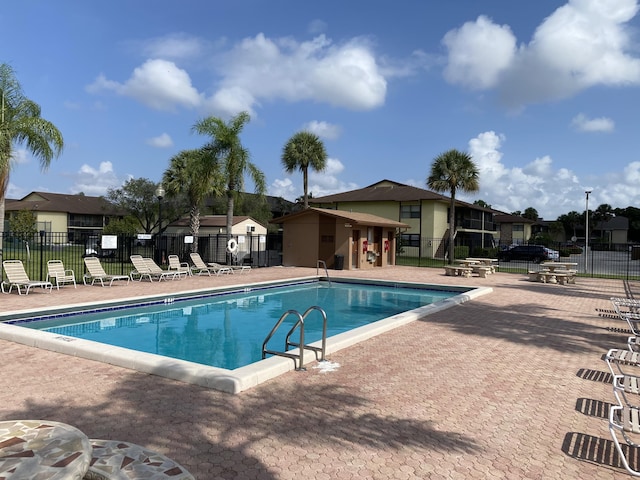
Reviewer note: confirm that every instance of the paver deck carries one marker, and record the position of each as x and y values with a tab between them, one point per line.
510	385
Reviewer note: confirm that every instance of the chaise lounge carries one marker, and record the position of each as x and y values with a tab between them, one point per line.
17	277
95	272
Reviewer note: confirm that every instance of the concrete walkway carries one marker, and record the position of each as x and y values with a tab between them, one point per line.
510	385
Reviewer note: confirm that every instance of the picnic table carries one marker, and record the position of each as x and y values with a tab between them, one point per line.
555	272
485	262
553	266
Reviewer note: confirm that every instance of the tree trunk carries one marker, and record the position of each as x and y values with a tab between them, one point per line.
194	223
305	186
452	225
229	221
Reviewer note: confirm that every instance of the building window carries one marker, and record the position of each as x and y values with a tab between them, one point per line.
410	239
518	227
410	211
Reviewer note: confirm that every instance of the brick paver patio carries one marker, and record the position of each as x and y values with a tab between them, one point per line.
510	385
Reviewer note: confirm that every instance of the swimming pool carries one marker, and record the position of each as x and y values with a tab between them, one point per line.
227	331
166	317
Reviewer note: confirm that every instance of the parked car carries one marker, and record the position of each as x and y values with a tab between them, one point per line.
529	253
553	254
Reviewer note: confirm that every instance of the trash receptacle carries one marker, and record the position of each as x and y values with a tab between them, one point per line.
338	262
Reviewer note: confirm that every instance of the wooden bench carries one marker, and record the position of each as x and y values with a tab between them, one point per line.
453	270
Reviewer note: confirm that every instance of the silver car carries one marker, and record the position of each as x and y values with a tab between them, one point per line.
553	255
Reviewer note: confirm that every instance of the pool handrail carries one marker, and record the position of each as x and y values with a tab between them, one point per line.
301	346
326	272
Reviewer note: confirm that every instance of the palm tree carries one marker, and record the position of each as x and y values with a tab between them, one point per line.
452	171
570	221
226	147
302	151
20	123
195	174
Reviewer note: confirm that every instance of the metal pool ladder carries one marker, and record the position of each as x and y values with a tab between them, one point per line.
326	272
300	345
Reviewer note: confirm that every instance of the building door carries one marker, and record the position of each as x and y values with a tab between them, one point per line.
355	249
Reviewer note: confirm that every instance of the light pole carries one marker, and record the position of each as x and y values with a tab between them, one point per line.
586	234
159	195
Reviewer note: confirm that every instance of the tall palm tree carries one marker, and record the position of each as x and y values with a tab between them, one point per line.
302	151
225	145
21	124
452	171
195	174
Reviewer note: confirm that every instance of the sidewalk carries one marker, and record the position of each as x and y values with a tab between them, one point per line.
510	385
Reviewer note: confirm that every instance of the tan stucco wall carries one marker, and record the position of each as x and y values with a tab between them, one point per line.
301	243
434	219
58	220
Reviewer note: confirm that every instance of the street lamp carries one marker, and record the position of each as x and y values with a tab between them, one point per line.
159	195
586	234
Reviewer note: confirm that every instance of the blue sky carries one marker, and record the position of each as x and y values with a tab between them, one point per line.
543	95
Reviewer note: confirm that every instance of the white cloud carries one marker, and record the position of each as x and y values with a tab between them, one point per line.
317	26
20	156
284	188
15	192
478	53
550	190
584	124
161	141
175	46
260	68
95	181
323	129
582	44
159	84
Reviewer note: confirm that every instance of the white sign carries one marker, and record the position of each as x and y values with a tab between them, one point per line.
188	239
144	236
241	239
263	239
109	242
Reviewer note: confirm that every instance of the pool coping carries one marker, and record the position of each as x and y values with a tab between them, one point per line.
230	381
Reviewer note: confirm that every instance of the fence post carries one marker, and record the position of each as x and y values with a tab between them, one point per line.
42	237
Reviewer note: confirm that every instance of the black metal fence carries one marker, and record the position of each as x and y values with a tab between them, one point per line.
606	261
114	250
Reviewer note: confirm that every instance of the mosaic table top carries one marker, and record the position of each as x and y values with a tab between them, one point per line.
116	460
42	450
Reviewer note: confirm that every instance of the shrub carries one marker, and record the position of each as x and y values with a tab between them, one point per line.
461	251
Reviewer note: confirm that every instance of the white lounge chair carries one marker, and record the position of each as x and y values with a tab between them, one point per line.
175	265
58	275
157	271
17	277
199	267
230	268
141	269
625	420
95	272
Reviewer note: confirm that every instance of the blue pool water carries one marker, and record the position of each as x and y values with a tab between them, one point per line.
227	331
